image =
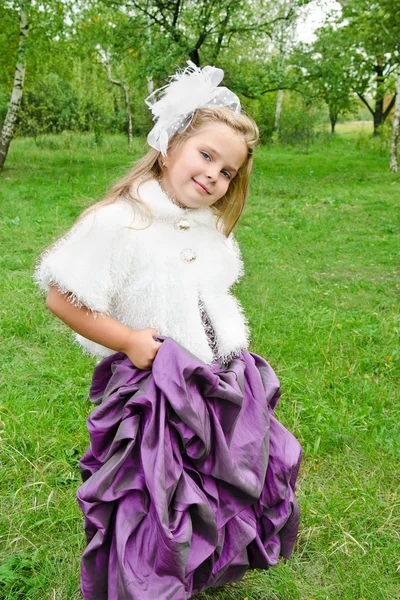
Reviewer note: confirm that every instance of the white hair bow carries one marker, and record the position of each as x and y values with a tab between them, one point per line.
174	105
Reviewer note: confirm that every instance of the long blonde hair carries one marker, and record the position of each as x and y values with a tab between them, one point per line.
231	205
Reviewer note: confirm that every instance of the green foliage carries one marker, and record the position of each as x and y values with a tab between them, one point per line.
54	104
359	54
321	71
8	42
298	122
263	111
48	106
4	101
380	143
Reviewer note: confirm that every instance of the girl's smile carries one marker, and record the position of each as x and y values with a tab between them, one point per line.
198	172
201	187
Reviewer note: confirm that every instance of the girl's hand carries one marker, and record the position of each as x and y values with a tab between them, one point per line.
141	347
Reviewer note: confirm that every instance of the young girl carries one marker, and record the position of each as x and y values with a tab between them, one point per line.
189	479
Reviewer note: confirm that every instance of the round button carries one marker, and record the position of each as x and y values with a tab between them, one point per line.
188	255
182	225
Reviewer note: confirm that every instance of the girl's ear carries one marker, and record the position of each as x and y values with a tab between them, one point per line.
162	162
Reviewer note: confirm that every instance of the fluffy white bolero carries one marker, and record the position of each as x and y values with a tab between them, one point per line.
162	276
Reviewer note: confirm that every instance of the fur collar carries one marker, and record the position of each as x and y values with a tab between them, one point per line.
164	209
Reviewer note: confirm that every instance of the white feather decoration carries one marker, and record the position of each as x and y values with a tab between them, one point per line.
174	104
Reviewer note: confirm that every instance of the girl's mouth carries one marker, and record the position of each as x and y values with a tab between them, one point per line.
201	187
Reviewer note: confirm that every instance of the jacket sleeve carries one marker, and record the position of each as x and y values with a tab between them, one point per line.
88	261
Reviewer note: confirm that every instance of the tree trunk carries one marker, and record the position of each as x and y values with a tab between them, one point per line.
278	110
333	120
380	79
150	85
149	78
7	131
128	114
396	126
195	56
125	87
378	115
116	107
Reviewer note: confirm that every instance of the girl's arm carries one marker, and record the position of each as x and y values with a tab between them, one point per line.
140	346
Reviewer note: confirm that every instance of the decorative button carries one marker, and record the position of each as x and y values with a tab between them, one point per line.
182	225
188	255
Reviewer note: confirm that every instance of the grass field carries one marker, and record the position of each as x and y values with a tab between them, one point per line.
354	127
319	240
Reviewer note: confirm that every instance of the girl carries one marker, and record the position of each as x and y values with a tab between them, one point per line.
189	479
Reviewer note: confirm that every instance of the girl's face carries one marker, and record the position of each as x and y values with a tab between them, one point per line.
199	172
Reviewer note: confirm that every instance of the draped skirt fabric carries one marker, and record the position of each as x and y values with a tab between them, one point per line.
188	480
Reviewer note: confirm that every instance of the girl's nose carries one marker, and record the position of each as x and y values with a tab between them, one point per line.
212	173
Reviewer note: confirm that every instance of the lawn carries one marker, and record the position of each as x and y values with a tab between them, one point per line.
319	239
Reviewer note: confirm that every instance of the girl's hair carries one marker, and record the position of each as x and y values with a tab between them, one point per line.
230	206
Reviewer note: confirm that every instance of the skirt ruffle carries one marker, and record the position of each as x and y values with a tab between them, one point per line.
188	480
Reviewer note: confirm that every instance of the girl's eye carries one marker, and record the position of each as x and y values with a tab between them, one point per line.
206	156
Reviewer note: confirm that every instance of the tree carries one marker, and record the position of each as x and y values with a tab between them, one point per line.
321	70
46	21
369	33
357	53
283	38
124	87
8	128
201	30
158	36
113	40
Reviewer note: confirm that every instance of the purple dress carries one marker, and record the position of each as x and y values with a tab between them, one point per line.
189	479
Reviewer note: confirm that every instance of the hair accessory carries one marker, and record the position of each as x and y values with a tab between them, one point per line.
174	105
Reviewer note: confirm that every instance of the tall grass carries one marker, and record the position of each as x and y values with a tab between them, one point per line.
319	239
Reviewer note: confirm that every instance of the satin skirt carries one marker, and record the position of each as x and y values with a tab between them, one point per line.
189	479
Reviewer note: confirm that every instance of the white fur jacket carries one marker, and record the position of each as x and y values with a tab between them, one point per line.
173	275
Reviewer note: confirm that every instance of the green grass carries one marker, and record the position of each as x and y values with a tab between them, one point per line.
319	240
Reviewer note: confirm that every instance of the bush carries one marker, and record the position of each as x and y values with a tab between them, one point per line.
48	106
51	105
297	123
380	142
263	111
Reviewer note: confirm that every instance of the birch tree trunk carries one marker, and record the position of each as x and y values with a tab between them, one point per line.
396	126
7	131
125	87
278	110
150	82
128	114
150	85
